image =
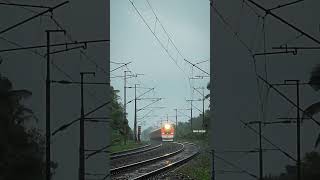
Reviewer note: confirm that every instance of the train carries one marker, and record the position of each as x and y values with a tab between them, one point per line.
164	133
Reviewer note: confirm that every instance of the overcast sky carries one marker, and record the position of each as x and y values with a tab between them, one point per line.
187	22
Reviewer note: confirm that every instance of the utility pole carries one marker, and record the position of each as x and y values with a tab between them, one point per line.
191	100
82	119
191	115
298	132
203	99
135	113
48	107
125	105
177	115
260	154
176	119
298	128
135	106
260	148
213	166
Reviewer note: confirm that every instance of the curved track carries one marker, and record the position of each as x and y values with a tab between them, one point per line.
151	167
134	151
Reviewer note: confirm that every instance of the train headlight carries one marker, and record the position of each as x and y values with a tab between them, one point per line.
167	126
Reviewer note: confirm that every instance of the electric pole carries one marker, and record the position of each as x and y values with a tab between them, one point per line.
260	149
298	128
48	108
135	113
191	100
298	132
191	114
125	104
260	154
82	119
203	99
176	119
213	166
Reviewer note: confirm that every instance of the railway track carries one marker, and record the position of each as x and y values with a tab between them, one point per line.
146	169
138	150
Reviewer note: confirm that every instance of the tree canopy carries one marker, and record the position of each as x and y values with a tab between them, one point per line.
310	169
21	149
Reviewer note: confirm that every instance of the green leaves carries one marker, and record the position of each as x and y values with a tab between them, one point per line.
314	80
317	141
21	149
311	110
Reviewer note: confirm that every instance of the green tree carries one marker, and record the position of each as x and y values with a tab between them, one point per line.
121	129
21	149
310	169
313	109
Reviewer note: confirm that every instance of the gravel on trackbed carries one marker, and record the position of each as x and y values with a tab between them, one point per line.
140	171
162	150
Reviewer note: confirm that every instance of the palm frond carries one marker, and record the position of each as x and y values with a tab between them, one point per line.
20	93
311	110
314	80
317	141
23	114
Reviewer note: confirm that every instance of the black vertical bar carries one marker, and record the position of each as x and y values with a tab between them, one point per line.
260	152
213	176
81	149
48	103
203	108
135	113
125	105
82	166
210	122
176	119
191	115
298	134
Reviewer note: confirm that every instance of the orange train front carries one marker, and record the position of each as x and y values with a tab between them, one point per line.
165	133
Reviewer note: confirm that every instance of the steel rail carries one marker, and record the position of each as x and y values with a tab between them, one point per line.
128	150
134	151
167	167
118	169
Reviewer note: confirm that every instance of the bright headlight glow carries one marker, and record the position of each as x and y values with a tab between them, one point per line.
167	126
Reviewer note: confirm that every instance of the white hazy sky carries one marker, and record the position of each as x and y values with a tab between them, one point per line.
187	22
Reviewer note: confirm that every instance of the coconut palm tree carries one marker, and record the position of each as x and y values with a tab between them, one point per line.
313	109
21	149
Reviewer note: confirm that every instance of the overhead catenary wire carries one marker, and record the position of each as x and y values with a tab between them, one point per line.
32	17
81	51
169	37
157	38
229	27
236	166
269	141
39	54
55	66
250	51
63	127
